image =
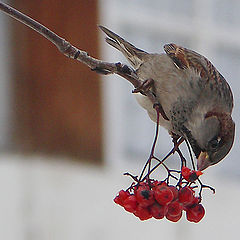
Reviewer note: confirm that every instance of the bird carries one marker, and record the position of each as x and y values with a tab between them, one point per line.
196	99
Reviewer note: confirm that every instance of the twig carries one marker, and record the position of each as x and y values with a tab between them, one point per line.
73	52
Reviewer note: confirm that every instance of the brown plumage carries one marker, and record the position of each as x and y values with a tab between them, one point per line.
195	97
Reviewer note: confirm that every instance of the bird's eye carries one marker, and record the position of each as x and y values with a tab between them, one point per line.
214	143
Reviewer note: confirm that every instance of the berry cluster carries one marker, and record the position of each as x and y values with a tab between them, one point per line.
157	199
148	198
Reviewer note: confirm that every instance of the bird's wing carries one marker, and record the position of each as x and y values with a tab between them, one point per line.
209	75
134	55
185	58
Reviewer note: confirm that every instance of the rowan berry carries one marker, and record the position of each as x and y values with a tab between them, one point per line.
195	213
163	194
174	208
142	213
145	196
185	195
122	195
158	211
186	172
130	203
174	191
174	218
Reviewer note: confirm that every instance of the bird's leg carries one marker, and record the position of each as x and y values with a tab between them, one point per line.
144	86
177	140
159	108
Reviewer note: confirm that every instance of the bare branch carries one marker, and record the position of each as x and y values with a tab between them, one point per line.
65	47
71	51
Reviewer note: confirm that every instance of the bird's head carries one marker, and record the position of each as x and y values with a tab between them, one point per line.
212	138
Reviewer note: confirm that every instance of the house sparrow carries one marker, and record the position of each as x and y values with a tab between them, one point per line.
196	99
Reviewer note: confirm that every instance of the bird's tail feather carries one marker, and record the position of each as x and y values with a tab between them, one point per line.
134	55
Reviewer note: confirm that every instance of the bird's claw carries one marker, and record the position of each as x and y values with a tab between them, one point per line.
158	107
144	86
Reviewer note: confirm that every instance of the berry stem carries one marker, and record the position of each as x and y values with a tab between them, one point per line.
204	186
169	171
160	163
130	175
151	156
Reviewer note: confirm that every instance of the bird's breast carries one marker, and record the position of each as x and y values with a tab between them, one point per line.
147	105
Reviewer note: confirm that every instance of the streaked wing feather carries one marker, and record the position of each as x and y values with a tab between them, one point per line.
185	58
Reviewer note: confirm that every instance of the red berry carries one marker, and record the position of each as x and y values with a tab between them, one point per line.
145	196
195	213
117	200
158	211
122	195
174	209
185	195
143	213
186	173
190	175
199	173
195	201
130	203
174	191
163	194
174	218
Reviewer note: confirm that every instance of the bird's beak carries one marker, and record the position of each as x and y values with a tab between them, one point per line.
203	161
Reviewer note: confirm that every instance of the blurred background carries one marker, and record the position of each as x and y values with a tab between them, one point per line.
68	134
